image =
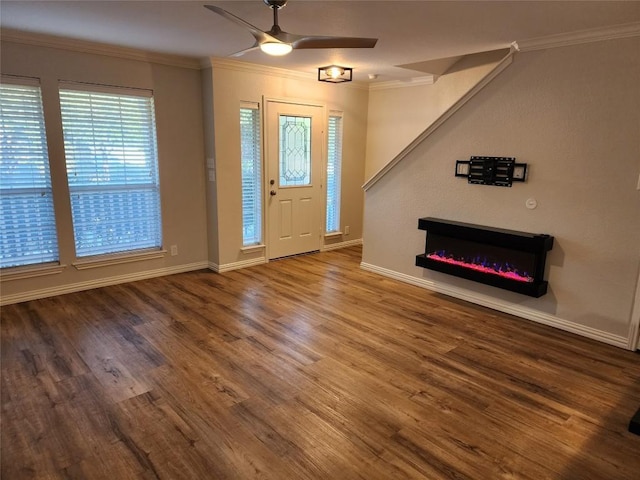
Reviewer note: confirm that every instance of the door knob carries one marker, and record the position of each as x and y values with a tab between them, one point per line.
272	193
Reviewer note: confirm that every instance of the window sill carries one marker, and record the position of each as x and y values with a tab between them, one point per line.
252	248
332	234
108	260
19	273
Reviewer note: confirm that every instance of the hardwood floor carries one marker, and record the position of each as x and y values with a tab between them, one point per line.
305	368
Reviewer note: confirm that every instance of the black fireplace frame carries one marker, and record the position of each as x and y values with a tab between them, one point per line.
536	245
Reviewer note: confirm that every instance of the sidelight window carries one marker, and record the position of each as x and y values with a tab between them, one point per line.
251	161
334	167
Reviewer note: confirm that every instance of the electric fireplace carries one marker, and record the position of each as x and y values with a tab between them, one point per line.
501	258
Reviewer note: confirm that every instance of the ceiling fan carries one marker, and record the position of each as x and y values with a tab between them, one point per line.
278	42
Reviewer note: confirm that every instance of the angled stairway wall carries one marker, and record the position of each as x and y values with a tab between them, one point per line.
572	113
400	111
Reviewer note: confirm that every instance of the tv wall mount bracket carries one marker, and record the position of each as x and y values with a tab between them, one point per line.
499	171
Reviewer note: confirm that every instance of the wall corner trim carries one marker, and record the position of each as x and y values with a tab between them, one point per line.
502	306
582	36
503	64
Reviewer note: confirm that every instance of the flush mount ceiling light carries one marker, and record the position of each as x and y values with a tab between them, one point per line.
335	74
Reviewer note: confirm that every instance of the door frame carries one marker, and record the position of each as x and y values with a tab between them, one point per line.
266	173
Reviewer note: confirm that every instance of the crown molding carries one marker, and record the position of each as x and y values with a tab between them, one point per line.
83	46
409	82
244	67
575	38
238	66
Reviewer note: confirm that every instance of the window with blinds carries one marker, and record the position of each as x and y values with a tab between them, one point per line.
334	166
27	219
251	174
112	169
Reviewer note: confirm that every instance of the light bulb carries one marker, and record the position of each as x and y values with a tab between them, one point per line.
335	72
276	48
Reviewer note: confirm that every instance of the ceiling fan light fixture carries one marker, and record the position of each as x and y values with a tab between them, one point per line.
278	42
276	49
335	74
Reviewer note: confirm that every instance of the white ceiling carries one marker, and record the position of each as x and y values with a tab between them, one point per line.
409	32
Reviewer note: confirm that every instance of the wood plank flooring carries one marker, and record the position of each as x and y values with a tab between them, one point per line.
305	368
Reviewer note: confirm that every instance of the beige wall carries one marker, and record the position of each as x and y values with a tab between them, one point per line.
573	115
398	114
200	215
209	149
178	104
231	83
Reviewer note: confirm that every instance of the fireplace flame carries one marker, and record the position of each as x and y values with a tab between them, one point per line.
484	266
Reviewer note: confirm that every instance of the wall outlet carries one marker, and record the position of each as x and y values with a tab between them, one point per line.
174	250
346	230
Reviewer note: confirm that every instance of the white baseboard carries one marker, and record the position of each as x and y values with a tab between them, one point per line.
502	306
102	282
227	267
336	246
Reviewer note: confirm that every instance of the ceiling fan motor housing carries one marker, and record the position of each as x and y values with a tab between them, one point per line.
278	4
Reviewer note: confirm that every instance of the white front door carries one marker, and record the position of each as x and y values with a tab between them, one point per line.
294	147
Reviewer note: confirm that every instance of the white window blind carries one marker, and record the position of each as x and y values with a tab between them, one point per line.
334	166
251	174
27	219
112	169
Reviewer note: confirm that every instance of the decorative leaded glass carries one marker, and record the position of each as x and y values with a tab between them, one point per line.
295	151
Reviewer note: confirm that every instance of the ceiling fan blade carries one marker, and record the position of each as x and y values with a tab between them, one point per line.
332	42
259	35
256	46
